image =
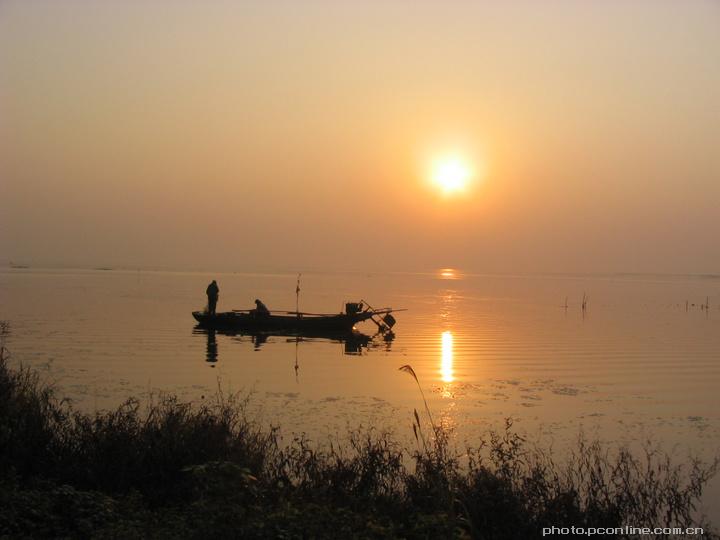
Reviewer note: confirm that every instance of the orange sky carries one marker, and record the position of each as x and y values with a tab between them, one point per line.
299	135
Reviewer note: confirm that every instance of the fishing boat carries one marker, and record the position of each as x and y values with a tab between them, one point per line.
296	321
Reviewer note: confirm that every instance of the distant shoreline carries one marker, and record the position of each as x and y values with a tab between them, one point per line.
640	276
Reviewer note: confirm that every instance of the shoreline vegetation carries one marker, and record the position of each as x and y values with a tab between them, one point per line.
175	470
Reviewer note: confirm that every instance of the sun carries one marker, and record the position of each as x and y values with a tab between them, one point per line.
451	174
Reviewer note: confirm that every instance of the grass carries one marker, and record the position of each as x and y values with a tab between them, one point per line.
172	470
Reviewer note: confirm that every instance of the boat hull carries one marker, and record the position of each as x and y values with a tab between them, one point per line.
353	342
232	320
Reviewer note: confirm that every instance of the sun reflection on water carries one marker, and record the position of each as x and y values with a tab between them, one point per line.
447	273
446	364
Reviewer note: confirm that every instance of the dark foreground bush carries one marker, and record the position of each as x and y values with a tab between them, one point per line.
172	470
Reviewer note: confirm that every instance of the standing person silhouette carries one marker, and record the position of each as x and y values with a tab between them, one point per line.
212	292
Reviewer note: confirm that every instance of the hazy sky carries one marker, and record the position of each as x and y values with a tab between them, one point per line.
297	135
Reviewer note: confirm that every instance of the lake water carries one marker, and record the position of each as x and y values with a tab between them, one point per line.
638	363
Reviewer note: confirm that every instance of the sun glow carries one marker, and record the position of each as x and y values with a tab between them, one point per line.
452	175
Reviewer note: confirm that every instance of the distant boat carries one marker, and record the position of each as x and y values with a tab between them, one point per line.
18	266
277	321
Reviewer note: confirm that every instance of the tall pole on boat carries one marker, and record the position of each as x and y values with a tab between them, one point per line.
297	296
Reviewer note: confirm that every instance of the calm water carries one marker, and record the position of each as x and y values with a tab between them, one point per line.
637	364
